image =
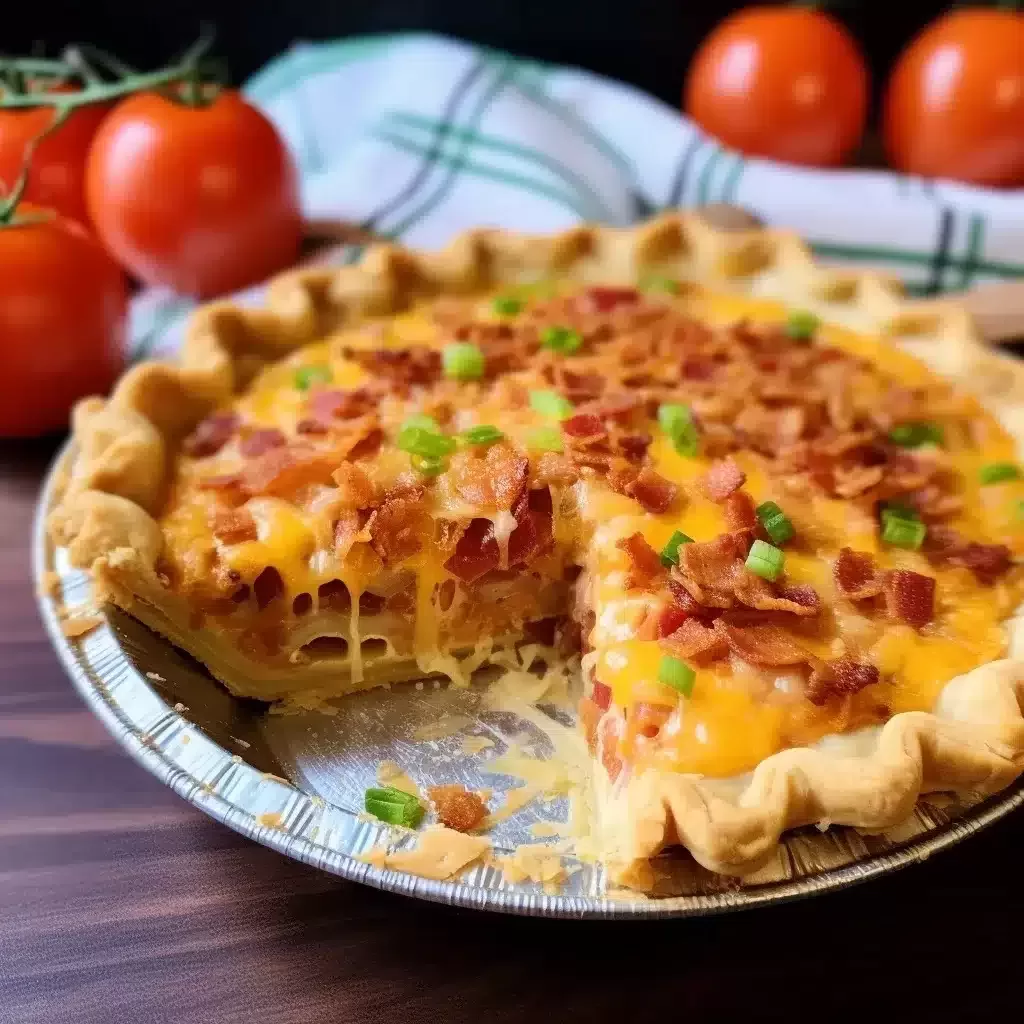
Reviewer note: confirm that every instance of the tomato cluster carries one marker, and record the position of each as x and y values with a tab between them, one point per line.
183	186
790	83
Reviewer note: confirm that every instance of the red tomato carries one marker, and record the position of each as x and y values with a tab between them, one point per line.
955	102
787	83
63	307
57	175
201	199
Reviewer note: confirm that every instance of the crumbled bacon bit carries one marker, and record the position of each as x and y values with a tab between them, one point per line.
579	387
604	298
601	695
850	481
233	526
653	492
282	471
986	561
695	641
308	425
841	678
399	526
355	488
457	807
634	446
367	445
910	597
211	434
711	563
739	511
722	479
762	645
856	575
494	480
759	594
402	368
683	599
646	569
533	514
326	406
476	553
584	427
256	442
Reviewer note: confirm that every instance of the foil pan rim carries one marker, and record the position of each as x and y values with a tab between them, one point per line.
147	752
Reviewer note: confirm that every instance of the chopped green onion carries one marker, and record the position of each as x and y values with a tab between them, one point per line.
997	472
672	416
677	674
428	465
423	421
544	439
903	533
913	435
677	421
776	523
801	325
462	361
561	339
765	560
1020	508
659	283
426	443
670	552
901	510
507	305
393	806
550	403
483	434
307	376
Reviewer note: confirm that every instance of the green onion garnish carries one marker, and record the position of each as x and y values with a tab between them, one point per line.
677	674
913	435
507	305
659	283
801	325
393	806
426	443
776	523
1020	508
901	510
677	421
765	560
307	376
544	439
462	361
902	533
428	465
670	552
550	403
483	434
561	339
997	472
423	421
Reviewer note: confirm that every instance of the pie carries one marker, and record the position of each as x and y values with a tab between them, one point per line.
775	510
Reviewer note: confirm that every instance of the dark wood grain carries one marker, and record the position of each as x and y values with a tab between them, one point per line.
119	903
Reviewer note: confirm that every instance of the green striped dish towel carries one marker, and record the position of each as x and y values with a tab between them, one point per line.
418	137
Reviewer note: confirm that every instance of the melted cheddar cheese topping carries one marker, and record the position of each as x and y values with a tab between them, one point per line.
736	714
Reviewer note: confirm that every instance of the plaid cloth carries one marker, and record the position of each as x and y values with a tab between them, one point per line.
417	137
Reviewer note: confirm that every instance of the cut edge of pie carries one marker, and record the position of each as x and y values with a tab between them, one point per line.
125	445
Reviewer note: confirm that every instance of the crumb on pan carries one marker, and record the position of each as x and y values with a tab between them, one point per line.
457	807
80	625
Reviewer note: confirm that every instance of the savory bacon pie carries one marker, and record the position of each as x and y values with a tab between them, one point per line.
786	550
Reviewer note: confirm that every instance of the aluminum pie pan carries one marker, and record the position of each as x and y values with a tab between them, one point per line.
294	783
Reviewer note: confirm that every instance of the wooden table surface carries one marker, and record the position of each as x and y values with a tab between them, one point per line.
120	903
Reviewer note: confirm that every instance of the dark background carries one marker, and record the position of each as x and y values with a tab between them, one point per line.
646	42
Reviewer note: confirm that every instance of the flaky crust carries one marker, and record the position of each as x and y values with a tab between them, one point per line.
124	448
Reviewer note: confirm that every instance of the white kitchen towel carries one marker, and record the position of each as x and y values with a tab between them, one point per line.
418	137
